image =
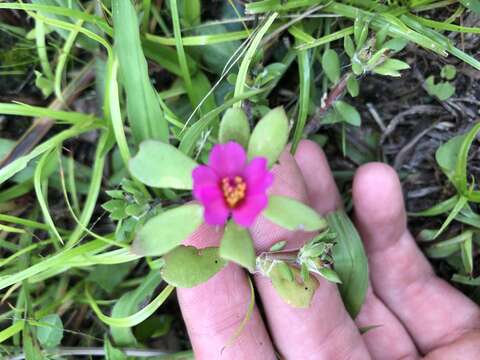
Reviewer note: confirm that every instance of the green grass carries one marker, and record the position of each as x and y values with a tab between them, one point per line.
169	74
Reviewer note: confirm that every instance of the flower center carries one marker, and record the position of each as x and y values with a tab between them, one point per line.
233	190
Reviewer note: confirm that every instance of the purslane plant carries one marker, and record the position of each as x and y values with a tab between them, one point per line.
230	191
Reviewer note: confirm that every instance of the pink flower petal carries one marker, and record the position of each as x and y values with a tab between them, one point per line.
204	175
206	190
216	212
228	160
246	214
257	176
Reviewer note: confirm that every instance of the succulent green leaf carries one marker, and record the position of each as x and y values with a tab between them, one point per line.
187	266
353	86
270	136
349	46
234	126
296	293
237	246
161	165
293	215
167	230
50	331
348	113
330	275
331	65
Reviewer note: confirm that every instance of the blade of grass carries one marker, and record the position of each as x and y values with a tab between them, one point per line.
244	66
144	113
134	319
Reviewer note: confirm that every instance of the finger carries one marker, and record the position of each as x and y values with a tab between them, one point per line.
433	312
324	330
390	340
386	338
214	311
320	184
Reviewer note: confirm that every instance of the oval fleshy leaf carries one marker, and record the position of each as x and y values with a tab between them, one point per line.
350	262
293	215
237	246
234	127
167	230
270	136
296	292
161	165
187	266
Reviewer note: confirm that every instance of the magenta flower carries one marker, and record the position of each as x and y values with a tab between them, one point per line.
230	186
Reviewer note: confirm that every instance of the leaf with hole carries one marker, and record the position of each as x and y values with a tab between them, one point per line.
187	266
296	292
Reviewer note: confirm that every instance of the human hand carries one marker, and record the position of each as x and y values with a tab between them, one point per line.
417	313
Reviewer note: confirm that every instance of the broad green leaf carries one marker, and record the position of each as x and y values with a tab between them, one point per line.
49	331
293	215
234	126
350	262
296	293
237	246
348	113
144	112
167	230
396	44
270	136
447	157
129	303
331	65
158	164
187	266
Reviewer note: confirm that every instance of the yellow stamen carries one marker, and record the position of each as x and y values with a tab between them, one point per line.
233	193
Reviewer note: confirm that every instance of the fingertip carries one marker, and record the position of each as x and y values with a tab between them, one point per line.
320	184
205	236
378	202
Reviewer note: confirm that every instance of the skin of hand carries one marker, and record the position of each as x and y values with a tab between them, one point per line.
417	314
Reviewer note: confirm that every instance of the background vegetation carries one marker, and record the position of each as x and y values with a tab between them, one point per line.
82	83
